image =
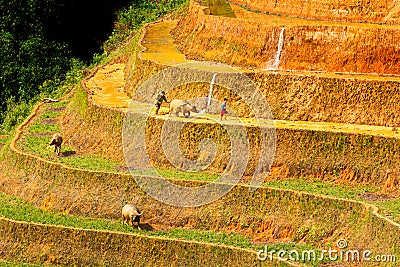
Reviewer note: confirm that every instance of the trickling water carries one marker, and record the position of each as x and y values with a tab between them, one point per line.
279	51
211	90
280	46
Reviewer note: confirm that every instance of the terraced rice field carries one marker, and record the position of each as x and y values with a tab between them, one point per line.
330	180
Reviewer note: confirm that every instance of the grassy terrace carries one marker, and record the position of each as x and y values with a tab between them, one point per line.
19	210
36	139
4	139
21	264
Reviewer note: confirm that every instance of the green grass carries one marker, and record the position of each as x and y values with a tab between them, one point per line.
44	128
323	187
5	138
22	264
50	113
80	101
19	210
40	127
5	144
37	139
176	174
390	208
90	162
129	20
39	145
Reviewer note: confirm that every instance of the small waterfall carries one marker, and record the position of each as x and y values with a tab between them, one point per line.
280	48
211	91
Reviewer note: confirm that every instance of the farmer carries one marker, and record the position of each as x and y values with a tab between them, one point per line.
159	100
223	109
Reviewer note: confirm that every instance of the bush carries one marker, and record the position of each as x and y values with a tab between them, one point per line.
132	18
15	114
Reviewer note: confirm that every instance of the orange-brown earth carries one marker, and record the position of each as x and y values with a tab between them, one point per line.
307	45
106	86
280	172
360	11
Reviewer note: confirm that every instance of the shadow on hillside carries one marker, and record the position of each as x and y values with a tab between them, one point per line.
146	226
56	109
375	197
67	154
49	121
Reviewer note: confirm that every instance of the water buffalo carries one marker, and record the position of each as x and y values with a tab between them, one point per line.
181	106
131	214
57	141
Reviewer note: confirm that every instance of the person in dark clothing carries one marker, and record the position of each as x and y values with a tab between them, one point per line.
159	100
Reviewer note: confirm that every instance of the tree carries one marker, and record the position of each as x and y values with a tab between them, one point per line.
27	56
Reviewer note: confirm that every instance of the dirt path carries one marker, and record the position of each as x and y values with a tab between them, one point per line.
160	46
107	87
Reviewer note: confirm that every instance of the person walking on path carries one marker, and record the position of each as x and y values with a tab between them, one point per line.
159	100
223	109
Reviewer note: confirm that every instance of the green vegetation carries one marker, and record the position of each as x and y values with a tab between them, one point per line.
80	101
323	187
390	208
4	142
27	58
16	209
19	210
16	112
90	162
34	67
21	264
175	174
139	13
38	137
